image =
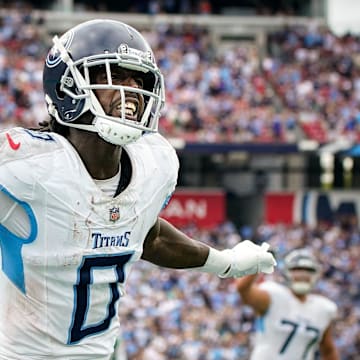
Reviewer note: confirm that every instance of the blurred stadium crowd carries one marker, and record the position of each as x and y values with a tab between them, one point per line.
308	85
201	316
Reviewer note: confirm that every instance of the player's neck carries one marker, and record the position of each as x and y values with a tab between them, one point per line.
100	158
300	297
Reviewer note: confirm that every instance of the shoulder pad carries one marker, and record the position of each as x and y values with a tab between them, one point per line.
163	151
19	143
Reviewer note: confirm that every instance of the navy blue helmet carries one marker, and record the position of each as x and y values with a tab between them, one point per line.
68	85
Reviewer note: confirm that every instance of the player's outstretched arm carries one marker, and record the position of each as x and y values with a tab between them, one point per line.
328	350
167	246
252	295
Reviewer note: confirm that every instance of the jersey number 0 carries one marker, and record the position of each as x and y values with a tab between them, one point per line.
117	262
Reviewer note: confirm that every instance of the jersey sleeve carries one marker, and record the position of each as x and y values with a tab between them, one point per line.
278	293
20	150
19	143
20	172
330	308
170	163
160	166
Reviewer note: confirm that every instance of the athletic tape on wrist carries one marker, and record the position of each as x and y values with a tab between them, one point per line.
218	262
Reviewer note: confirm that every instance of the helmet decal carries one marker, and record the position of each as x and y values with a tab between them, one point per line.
54	56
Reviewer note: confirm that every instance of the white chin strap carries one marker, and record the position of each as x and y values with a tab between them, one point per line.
117	134
301	287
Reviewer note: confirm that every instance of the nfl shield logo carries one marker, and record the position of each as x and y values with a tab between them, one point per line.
114	214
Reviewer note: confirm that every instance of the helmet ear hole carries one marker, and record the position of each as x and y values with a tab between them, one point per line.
149	81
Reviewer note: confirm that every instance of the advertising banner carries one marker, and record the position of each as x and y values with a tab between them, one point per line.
204	207
310	207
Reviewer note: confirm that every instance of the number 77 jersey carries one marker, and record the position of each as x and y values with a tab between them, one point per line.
67	247
290	329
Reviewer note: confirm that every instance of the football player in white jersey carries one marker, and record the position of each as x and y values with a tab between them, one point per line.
80	199
292	322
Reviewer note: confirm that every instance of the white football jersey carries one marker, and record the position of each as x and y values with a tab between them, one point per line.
66	247
290	329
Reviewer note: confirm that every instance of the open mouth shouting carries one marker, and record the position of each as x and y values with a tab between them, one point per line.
132	110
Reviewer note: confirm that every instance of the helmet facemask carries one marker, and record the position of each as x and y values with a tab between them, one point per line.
76	82
301	271
301	286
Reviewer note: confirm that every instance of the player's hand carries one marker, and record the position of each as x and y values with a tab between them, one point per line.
247	258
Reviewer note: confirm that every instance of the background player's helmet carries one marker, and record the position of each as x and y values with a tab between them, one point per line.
301	259
68	89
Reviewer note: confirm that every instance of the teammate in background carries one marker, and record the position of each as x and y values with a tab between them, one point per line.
292	322
80	199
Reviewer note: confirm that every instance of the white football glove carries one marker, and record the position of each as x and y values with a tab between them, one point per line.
245	258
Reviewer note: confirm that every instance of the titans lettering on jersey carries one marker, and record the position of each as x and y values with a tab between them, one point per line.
63	261
102	240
